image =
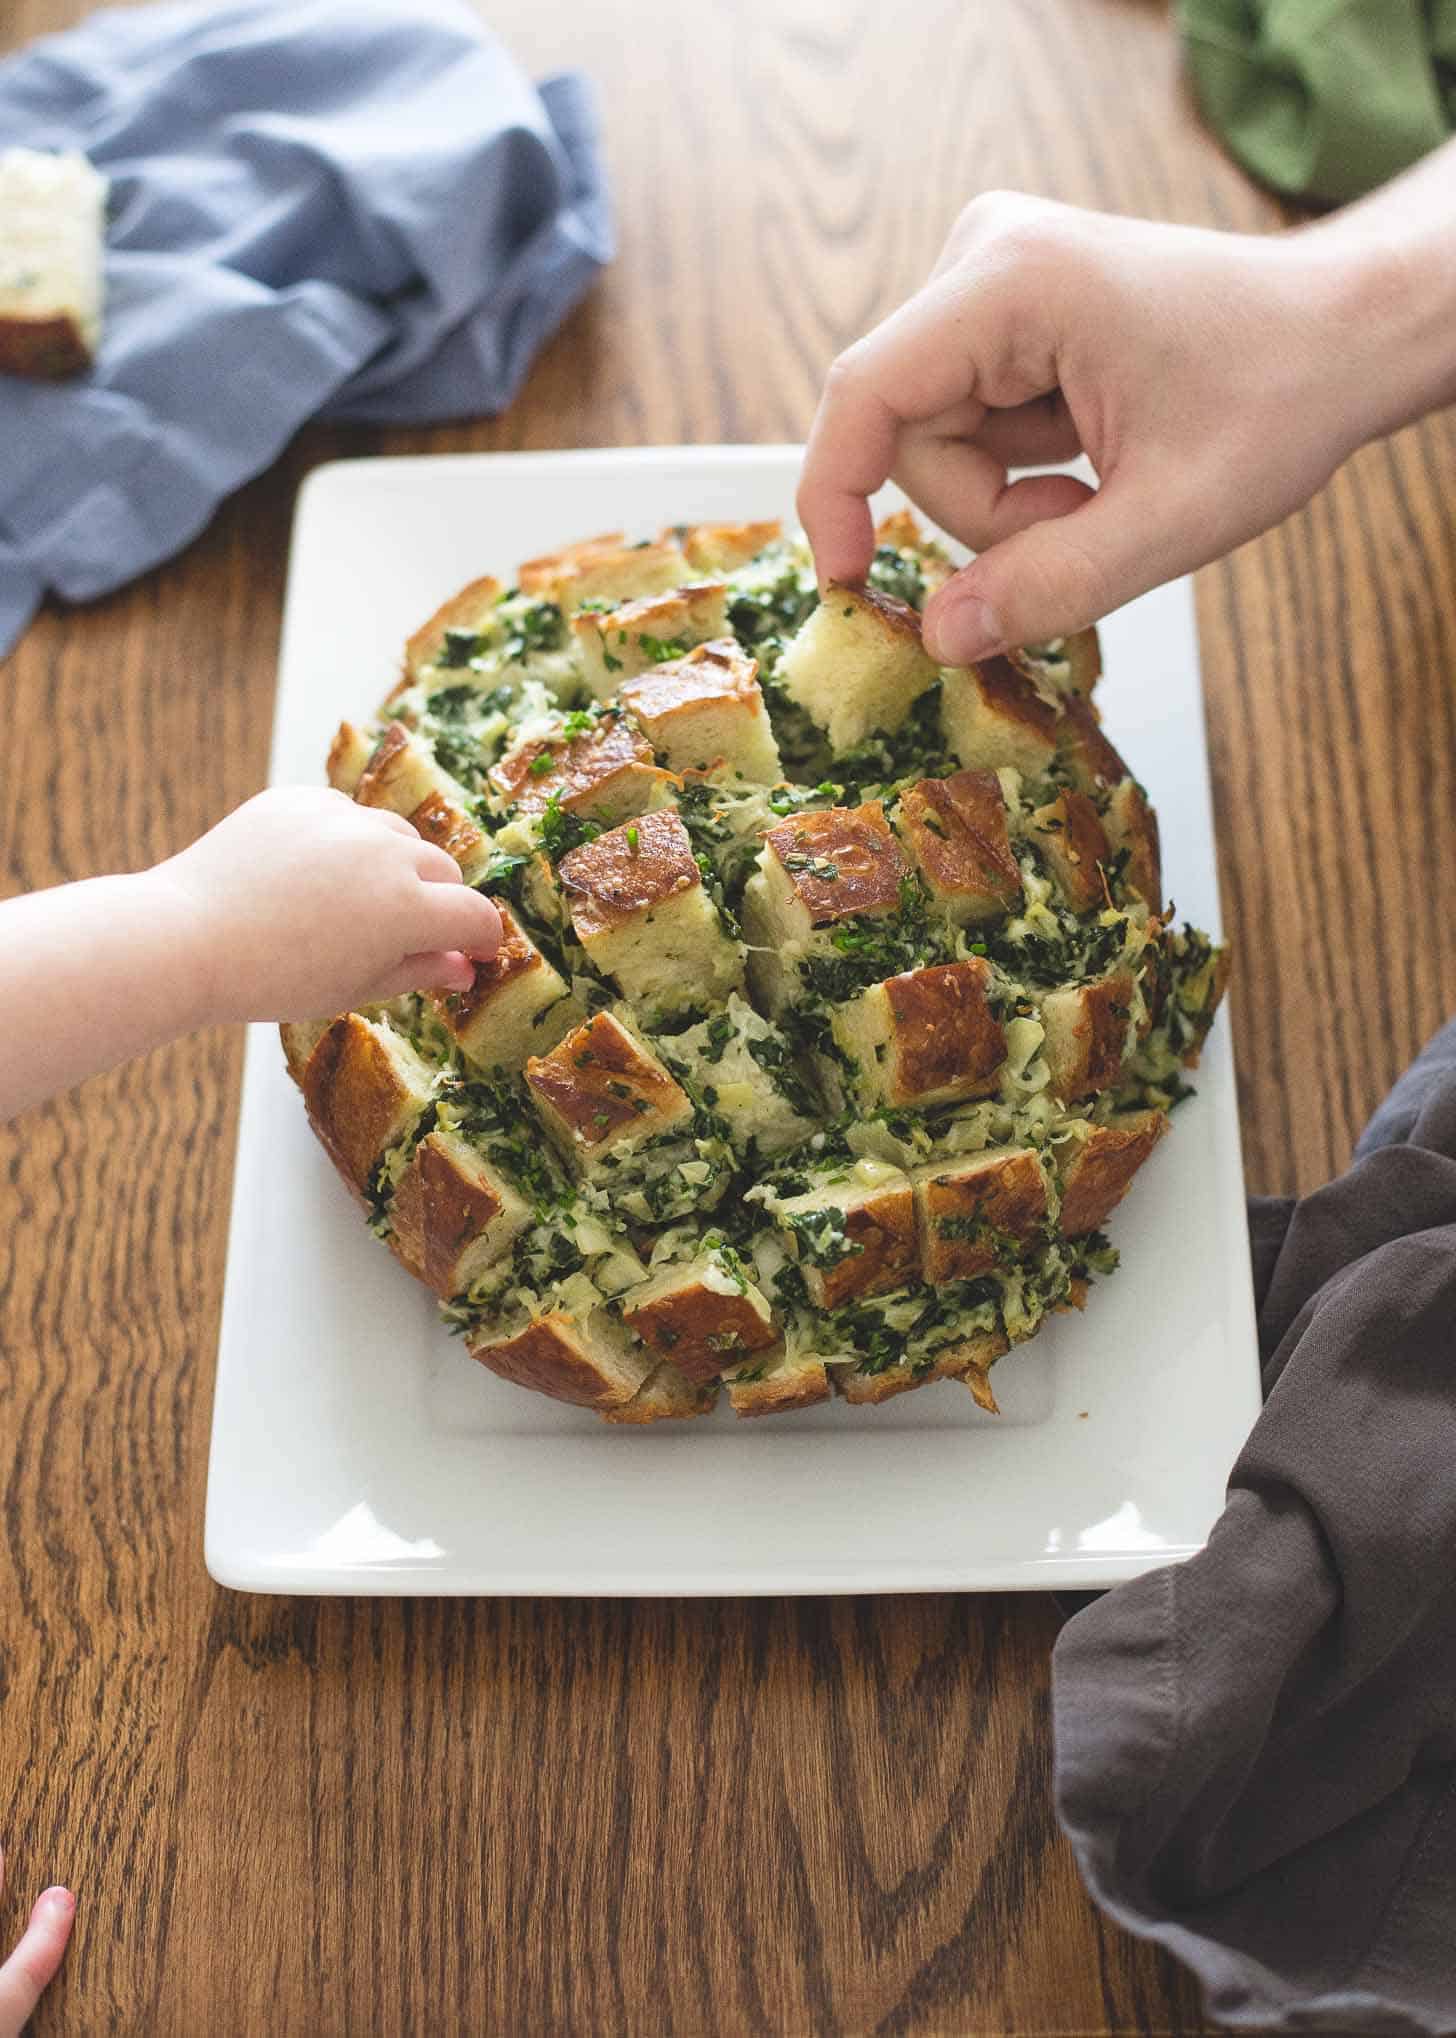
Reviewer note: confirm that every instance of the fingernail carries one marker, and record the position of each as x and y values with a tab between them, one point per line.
964	631
59	1899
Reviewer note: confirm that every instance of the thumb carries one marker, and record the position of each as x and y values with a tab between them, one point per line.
432	970
1052	577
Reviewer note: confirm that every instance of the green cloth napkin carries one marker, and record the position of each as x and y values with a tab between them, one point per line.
1324	99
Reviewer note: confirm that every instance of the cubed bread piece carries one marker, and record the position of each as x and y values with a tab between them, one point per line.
364	1087
830	865
992	715
604	567
592	1364
600	1087
468	613
1091	759
722	548
853	1237
605	773
813	871
453	1215
300	1037
700	1317
1087	1033
439	820
349	756
1132	825
973	1212
519	1005
617	644
925	1037
640	911
403	777
857	664
706	709
664	1396
1070	838
955	828
52	228
1099	1169
779	1384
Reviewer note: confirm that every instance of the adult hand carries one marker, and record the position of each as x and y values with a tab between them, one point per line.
1215	381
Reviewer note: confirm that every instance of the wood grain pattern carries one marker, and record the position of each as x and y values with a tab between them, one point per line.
534	1819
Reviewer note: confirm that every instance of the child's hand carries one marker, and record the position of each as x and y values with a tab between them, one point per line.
305	904
32	1966
1216	381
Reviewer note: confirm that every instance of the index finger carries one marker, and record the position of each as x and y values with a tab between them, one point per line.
978	337
32	1966
916	365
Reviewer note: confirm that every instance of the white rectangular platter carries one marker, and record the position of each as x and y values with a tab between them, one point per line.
356	1448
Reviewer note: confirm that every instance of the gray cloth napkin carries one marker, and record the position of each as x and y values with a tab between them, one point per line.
1256	1750
354	208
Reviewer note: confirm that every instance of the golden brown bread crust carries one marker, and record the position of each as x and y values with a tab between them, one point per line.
1013	697
883	1227
600	1082
701	1332
348	756
980	1354
540	575
357	1096
1071	839
626	871
553	1356
440	821
517	956
947	1038
781	1390
372	788
581	768
664	1396
300	1037
857	844
719	548
718	670
441	1206
1086	1034
603	566
1091	758
43	349
956	830
899	529
465	610
956	1362
966	1209
898	619
1100	1170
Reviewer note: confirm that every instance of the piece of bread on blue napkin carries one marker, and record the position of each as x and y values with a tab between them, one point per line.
52	225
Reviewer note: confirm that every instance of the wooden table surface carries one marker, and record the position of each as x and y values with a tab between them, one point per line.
518	1818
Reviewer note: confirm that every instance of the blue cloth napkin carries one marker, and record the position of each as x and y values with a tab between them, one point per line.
355	209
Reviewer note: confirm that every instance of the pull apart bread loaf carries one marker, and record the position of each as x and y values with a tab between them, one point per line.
837	1006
